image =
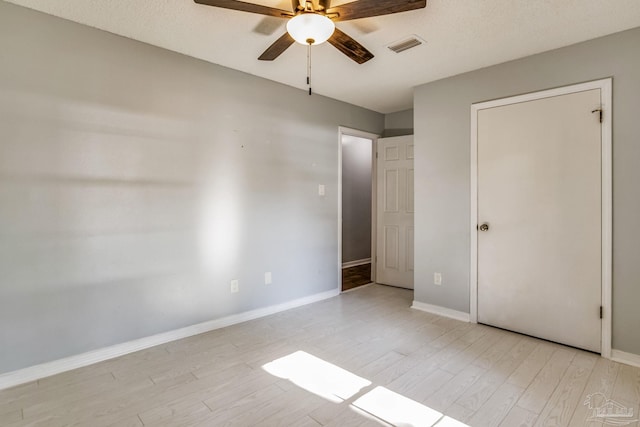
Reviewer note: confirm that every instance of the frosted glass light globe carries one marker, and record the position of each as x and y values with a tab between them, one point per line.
310	28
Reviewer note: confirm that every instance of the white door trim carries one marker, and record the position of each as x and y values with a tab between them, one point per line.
605	86
374	147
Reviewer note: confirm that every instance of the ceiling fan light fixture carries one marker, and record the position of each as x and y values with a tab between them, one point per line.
310	28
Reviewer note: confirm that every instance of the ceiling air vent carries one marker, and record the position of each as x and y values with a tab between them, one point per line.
406	44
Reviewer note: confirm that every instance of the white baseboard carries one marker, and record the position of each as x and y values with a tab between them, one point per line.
32	373
356	263
626	358
441	311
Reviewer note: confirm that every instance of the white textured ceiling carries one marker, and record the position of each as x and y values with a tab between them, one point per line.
461	35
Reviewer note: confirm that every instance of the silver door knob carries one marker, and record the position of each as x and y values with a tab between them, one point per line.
484	227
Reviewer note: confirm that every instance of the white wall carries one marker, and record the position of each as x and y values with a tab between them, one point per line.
442	111
136	182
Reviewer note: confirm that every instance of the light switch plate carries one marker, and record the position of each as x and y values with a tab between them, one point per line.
321	190
235	286
267	278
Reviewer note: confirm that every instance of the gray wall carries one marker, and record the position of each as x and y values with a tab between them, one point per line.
356	198
135	183
398	123
442	111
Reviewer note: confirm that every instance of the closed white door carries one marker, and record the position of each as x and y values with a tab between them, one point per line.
395	212
539	195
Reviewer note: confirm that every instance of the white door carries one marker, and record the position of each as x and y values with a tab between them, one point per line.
539	193
395	212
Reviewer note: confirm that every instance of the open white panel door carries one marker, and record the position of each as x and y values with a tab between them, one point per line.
395	212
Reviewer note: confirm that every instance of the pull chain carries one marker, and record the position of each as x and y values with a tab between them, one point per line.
310	42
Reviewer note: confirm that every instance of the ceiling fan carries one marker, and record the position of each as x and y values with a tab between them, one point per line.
311	22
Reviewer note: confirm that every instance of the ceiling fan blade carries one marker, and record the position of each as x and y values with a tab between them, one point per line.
368	8
277	48
350	47
246	7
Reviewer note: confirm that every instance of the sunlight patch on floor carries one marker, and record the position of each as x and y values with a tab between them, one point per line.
450	422
335	384
317	376
396	409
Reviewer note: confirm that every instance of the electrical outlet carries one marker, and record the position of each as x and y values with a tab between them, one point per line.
321	190
235	286
267	278
437	279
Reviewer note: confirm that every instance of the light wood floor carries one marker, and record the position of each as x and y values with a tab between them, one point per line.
472	373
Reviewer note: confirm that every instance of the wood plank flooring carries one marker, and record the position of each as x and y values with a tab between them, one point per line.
475	374
353	277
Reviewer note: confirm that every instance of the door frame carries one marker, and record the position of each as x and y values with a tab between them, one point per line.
605	85
342	130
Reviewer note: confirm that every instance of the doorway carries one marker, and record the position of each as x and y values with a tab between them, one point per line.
541	215
357	213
